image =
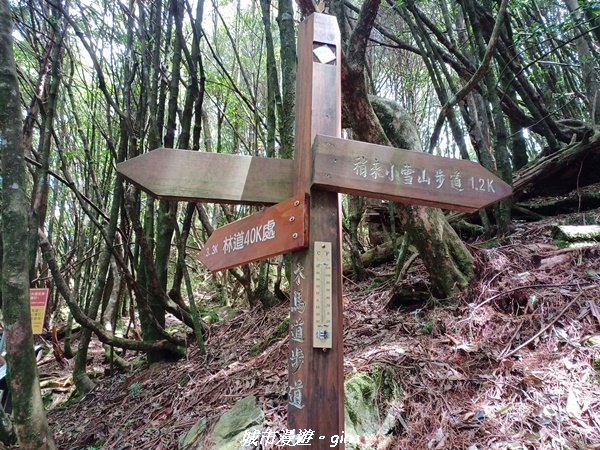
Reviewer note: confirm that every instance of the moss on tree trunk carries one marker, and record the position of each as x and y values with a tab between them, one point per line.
29	417
448	261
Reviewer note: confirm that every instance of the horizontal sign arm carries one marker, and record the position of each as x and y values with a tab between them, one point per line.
278	229
213	177
404	176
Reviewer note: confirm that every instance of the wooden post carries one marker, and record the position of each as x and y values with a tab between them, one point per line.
316	375
322	170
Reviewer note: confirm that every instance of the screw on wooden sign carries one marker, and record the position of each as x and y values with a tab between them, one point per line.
324	165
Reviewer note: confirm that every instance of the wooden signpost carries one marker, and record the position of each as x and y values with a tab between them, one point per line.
307	217
417	178
190	175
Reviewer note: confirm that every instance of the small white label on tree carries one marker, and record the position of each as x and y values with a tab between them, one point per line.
324	54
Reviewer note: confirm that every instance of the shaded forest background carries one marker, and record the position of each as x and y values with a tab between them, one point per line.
512	85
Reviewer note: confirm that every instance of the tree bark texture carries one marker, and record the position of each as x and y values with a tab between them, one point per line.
437	243
285	20
29	417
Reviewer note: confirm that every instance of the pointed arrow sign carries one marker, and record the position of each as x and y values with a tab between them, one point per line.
404	176
275	230
218	177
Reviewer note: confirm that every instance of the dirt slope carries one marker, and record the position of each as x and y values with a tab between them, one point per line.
514	362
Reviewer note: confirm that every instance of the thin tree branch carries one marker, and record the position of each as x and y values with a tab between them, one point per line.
97	67
84	320
475	79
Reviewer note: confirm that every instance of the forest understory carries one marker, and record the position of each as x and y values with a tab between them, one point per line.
513	362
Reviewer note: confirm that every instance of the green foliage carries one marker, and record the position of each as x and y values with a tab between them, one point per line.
386	380
210	315
135	389
590	6
425	322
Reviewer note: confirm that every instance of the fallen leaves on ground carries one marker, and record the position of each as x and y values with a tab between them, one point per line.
513	362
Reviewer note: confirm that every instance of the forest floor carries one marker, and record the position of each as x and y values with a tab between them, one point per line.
511	363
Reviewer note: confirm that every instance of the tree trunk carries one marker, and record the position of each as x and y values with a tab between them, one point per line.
82	381
167	211
588	70
110	316
356	207
567	169
168	343
29	417
437	243
40	190
285	20
273	95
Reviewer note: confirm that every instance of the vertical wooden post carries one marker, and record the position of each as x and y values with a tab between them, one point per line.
316	375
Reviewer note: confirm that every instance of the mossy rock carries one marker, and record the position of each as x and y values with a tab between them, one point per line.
245	417
569	235
193	435
370	399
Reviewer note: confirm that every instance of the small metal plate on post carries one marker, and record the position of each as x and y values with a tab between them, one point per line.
322	295
325	54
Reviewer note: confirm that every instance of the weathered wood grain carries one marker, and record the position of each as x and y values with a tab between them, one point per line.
316	376
214	177
275	230
404	176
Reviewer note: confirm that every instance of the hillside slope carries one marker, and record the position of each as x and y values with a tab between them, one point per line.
513	363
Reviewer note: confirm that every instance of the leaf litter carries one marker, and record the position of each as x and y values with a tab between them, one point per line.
512	363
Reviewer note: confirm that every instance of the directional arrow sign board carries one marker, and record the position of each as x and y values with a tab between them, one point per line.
404	176
190	175
323	166
275	230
